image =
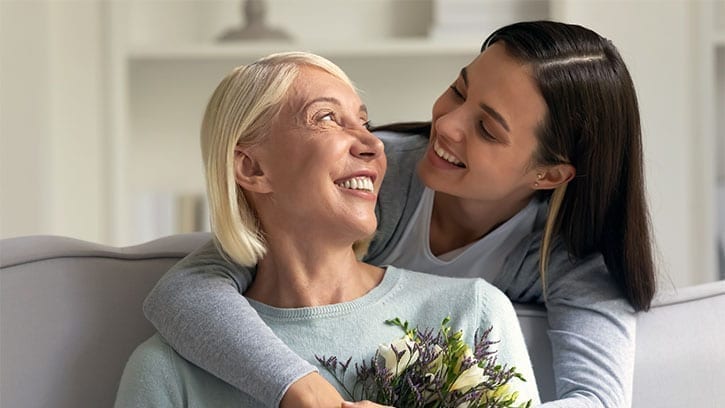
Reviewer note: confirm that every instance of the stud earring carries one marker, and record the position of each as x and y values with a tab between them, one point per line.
539	176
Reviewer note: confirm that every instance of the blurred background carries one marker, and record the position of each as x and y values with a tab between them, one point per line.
101	101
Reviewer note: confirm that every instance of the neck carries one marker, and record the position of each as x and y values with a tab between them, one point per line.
456	222
293	275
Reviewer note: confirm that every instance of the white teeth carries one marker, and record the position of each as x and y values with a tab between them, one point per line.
445	155
358	183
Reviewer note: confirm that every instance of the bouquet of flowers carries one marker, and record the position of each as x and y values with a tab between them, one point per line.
426	369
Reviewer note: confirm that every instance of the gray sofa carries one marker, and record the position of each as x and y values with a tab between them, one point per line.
70	315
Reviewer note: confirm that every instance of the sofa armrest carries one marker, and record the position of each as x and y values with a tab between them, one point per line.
680	360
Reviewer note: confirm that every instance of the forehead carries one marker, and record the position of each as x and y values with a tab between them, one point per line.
498	80
313	83
496	65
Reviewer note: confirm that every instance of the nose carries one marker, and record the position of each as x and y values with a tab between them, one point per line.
451	125
367	146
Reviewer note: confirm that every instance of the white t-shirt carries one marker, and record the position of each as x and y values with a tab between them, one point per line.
481	259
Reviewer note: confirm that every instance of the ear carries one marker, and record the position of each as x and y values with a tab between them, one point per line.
554	176
248	173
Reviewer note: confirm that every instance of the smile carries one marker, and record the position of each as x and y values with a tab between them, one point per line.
446	156
358	183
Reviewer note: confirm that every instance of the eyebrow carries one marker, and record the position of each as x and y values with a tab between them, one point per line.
491	111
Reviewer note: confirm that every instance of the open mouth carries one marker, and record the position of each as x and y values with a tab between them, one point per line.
447	156
363	183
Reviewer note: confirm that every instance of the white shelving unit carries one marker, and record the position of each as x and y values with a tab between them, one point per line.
159	89
715	59
711	111
394	48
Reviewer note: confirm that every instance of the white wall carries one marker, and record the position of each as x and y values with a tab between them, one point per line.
24	119
51	135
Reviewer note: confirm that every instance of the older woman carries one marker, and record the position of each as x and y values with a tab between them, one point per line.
292	179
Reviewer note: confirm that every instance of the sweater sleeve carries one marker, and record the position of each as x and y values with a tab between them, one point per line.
399	194
197	307
591	327
592	334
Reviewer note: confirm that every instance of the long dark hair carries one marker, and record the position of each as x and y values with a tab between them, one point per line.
592	123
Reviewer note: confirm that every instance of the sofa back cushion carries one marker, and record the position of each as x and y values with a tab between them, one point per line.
70	316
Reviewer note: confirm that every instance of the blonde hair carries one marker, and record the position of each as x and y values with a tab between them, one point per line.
239	112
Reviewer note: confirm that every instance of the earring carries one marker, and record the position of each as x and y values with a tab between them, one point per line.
539	176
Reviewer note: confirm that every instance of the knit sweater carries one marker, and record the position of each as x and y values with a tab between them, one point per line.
156	376
591	325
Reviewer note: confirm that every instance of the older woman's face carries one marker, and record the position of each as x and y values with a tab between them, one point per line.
323	166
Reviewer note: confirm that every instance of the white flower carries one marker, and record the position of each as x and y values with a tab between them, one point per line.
467	354
437	364
394	364
468	379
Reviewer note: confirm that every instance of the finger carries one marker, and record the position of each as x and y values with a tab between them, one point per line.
363	404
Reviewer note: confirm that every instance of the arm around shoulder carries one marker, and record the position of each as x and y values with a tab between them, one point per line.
198	308
592	334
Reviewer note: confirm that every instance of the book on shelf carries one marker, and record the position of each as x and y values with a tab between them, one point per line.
478	18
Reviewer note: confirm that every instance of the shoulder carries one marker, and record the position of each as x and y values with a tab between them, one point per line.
395	141
402	151
208	260
204	256
400	191
567	276
152	358
149	376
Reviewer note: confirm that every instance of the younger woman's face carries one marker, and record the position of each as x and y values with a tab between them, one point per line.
483	134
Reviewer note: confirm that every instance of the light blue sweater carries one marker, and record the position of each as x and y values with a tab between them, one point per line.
156	376
591	325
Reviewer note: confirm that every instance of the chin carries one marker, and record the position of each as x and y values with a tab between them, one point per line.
427	175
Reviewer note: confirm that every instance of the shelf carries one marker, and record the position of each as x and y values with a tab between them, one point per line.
391	48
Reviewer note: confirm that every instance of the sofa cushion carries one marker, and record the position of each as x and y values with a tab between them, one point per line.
70	315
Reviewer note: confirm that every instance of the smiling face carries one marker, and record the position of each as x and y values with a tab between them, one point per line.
484	132
321	166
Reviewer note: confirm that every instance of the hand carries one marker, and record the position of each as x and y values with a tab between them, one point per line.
312	391
362	404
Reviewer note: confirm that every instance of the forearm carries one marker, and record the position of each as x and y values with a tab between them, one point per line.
593	353
581	401
198	309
